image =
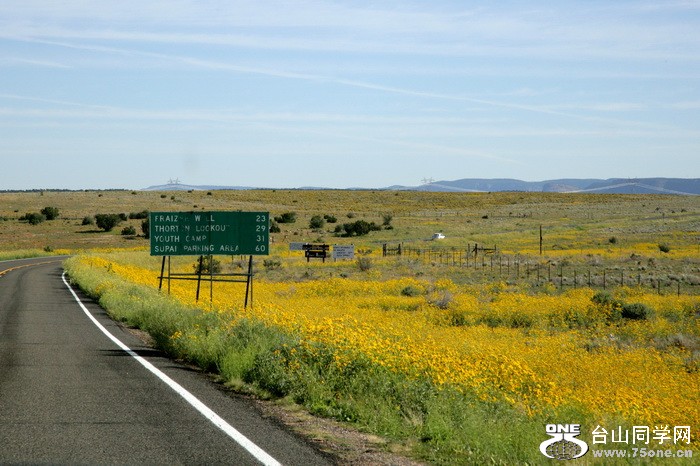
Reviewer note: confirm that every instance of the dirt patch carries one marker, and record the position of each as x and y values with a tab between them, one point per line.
345	445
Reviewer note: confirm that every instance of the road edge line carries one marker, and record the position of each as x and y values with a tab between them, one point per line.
257	452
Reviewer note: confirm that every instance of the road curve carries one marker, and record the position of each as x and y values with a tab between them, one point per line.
69	394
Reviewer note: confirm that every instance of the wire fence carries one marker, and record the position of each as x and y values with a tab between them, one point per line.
494	265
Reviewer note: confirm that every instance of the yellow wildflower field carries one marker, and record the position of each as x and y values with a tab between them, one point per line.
506	345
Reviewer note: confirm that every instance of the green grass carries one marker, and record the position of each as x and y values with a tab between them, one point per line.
27	254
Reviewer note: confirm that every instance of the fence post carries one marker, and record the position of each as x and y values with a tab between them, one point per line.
561	276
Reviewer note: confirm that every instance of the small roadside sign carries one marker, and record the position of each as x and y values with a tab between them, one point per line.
316	251
343	251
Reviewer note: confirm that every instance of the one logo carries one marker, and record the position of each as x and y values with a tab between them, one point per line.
563	445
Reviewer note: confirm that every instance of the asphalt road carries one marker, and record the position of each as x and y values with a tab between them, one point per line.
71	395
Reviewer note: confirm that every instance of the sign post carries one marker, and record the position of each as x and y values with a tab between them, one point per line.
210	233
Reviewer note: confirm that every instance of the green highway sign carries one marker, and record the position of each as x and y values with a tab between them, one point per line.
204	233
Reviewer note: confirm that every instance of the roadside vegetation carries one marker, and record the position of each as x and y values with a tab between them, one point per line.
462	373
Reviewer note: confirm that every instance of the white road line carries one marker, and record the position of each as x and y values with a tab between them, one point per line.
214	418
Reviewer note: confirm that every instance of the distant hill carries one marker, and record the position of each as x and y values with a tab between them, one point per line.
681	186
187	187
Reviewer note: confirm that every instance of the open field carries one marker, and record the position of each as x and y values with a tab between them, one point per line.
453	359
584	236
572	223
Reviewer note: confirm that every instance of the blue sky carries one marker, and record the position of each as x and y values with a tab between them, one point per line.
127	94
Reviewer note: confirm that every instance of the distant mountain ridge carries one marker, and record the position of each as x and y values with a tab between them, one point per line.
679	186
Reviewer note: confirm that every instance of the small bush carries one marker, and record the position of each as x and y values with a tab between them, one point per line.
208	265
51	213
317	222
636	311
274	227
33	218
88	220
138	215
330	218
663	247
107	222
359	228
411	291
287	217
521	319
457	318
605	299
272	264
620	309
491	320
129	231
364	263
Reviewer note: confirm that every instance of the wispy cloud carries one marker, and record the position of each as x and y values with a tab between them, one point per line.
688	105
623	30
12	61
224	66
